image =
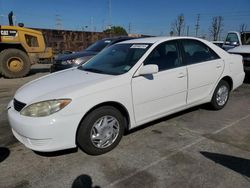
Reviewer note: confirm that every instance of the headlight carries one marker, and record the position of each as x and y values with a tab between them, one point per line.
76	61
45	108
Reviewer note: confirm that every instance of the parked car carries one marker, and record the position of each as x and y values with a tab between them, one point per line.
239	43
218	43
235	39
124	86
65	61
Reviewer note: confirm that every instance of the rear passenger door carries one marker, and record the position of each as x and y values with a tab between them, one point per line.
204	68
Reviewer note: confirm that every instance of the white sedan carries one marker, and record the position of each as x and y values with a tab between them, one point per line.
126	85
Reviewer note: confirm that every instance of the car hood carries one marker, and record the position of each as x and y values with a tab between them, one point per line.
64	84
240	49
64	57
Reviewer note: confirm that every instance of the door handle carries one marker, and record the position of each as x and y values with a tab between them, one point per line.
181	75
218	66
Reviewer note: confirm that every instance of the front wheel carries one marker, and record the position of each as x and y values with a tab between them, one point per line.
220	96
101	130
14	63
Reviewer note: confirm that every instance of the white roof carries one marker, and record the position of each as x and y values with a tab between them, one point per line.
153	40
158	40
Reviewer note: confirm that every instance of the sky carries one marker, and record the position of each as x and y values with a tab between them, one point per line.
151	17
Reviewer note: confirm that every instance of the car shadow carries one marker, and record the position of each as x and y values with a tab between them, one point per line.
83	181
4	153
237	164
166	118
56	153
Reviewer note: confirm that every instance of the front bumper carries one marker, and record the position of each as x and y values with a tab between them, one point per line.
46	134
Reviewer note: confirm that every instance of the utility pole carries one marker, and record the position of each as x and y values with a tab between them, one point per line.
188	30
91	23
110	16
58	22
129	28
197	26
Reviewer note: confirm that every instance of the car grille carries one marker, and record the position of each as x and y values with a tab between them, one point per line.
18	105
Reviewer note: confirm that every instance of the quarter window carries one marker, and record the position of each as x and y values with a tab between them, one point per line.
165	55
197	52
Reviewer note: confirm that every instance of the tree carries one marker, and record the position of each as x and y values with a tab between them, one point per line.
171	33
216	27
178	25
116	30
243	27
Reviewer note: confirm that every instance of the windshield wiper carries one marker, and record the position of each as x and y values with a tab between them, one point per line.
93	70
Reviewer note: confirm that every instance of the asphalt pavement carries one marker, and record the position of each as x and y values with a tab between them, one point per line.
194	148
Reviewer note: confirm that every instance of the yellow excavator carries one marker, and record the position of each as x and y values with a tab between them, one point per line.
21	47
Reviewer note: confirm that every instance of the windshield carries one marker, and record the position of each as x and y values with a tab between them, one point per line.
98	46
232	37
117	59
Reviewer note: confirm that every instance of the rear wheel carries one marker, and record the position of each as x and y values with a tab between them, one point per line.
220	96
101	130
14	63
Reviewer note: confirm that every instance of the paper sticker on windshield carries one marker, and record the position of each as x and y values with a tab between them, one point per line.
141	46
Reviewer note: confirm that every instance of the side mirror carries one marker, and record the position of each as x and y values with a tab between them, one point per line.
234	43
149	69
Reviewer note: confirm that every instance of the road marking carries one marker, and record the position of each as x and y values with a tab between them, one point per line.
175	152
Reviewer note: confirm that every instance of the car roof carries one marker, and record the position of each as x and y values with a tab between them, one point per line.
118	38
153	40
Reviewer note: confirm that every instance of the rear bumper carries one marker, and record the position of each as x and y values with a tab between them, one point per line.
238	80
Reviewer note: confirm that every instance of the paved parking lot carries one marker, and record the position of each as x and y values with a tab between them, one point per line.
194	148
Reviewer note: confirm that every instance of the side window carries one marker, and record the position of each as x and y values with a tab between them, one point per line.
197	52
245	38
31	41
165	55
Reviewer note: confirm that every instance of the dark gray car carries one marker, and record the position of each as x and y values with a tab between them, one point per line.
65	61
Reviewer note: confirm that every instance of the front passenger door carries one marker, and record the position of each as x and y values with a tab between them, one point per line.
156	95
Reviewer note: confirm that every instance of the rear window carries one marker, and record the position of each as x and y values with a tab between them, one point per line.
99	45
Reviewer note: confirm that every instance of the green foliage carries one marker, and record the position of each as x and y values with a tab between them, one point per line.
116	30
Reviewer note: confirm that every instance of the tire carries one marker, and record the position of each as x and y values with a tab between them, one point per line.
105	123
14	63
220	96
